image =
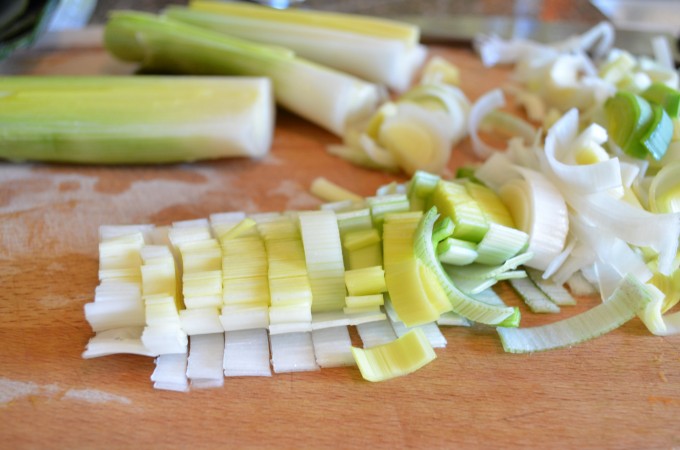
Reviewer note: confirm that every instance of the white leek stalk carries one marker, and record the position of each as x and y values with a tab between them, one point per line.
375	49
326	97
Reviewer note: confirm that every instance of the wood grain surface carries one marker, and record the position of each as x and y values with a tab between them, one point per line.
618	391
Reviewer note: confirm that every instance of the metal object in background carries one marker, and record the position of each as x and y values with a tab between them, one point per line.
462	30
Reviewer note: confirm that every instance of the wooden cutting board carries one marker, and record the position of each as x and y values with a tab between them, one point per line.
618	391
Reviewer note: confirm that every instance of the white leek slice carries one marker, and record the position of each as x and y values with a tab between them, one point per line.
332	347
164	339
538	209
562	139
170	373
204	366
499	244
629	299
489	102
293	352
107	315
246	353
400	357
118	340
109	232
376	333
579	285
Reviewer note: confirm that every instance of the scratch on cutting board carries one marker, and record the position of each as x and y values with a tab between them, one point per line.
11	390
297	197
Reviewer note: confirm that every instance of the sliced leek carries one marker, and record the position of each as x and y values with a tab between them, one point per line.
400	357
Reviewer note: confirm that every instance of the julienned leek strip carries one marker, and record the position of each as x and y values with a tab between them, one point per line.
134	120
326	97
629	299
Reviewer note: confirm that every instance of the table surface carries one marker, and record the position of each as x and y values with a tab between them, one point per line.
619	391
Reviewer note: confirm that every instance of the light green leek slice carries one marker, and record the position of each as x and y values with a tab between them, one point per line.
400	357
453	200
462	304
500	243
629	116
665	96
134	120
326	97
658	134
386	204
629	299
483	271
557	293
442	230
457	252
364	301
534	298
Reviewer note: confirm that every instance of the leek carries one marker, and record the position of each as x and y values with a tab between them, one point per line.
400	357
134	120
629	299
323	96
375	49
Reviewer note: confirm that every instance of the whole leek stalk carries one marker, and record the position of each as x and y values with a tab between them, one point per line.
375	49
326	97
134	120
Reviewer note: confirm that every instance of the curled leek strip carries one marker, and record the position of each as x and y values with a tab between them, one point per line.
630	298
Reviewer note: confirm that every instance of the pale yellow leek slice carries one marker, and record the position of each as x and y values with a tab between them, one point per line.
400	357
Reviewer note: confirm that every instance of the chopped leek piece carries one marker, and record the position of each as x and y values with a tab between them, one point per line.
555	292
534	298
629	299
629	116
462	304
331	192
204	365
293	352
366	281
326	97
659	133
170	373
442	230
323	255
400	357
246	353
457	252
664	191
665	96
453	200
420	190
117	340
332	347
134	120
500	243
364	301
376	333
